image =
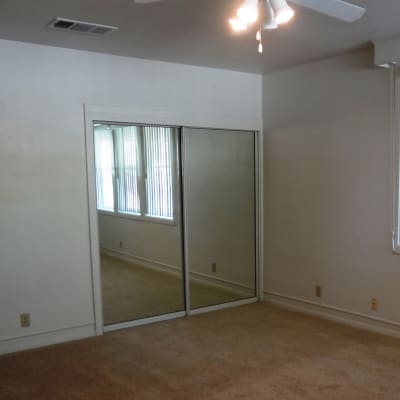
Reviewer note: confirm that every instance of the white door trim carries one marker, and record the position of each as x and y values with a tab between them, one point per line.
223	306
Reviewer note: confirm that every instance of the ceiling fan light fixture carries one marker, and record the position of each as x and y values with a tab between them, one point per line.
268	15
283	13
248	11
237	25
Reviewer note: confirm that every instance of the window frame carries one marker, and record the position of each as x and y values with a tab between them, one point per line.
176	132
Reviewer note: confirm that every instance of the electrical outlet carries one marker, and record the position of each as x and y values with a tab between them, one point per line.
214	267
318	291
121	245
374	304
25	320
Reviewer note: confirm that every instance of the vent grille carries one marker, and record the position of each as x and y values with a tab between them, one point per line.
64	24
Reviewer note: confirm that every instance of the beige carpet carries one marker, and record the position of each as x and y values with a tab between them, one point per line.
133	292
255	352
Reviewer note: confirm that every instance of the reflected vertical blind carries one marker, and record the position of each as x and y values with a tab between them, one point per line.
135	170
159	171
127	149
104	156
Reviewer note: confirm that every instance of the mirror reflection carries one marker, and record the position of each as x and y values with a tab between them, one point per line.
137	183
219	181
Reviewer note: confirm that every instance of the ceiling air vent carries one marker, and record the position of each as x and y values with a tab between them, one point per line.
64	24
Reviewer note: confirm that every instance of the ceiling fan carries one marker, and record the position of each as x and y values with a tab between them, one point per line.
270	14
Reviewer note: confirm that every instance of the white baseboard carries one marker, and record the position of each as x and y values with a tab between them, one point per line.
172	269
33	341
343	316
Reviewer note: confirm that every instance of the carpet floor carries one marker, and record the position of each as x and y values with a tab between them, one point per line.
133	292
252	352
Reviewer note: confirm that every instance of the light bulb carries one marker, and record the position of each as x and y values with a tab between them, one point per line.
258	36
248	12
284	16
237	25
260	48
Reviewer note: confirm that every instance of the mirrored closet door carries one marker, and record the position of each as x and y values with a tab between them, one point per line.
139	220
176	218
220	226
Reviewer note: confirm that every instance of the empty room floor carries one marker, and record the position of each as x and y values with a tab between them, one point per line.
257	351
133	292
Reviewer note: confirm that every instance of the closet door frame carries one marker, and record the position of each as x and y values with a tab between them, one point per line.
92	114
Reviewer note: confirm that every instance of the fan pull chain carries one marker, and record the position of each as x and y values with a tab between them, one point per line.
259	38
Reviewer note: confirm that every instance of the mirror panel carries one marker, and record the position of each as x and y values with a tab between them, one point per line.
139	219
219	183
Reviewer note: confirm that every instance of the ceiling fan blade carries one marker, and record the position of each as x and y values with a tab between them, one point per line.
334	8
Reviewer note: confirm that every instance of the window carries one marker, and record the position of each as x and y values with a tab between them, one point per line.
135	170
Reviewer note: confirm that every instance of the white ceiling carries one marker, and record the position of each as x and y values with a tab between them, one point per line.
196	31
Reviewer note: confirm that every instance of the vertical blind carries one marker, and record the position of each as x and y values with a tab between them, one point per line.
135	170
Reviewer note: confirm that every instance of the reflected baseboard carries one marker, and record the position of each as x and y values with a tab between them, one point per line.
235	287
142	262
199	277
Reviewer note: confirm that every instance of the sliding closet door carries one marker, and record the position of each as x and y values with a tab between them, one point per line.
139	218
219	201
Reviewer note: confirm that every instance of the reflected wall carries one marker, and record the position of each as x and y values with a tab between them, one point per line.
219	187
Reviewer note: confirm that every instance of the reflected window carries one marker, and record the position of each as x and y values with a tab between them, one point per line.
134	170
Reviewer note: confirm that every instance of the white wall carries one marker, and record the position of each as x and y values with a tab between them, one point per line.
328	185
44	238
327	176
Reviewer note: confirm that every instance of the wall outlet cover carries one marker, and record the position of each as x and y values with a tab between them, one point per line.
25	319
